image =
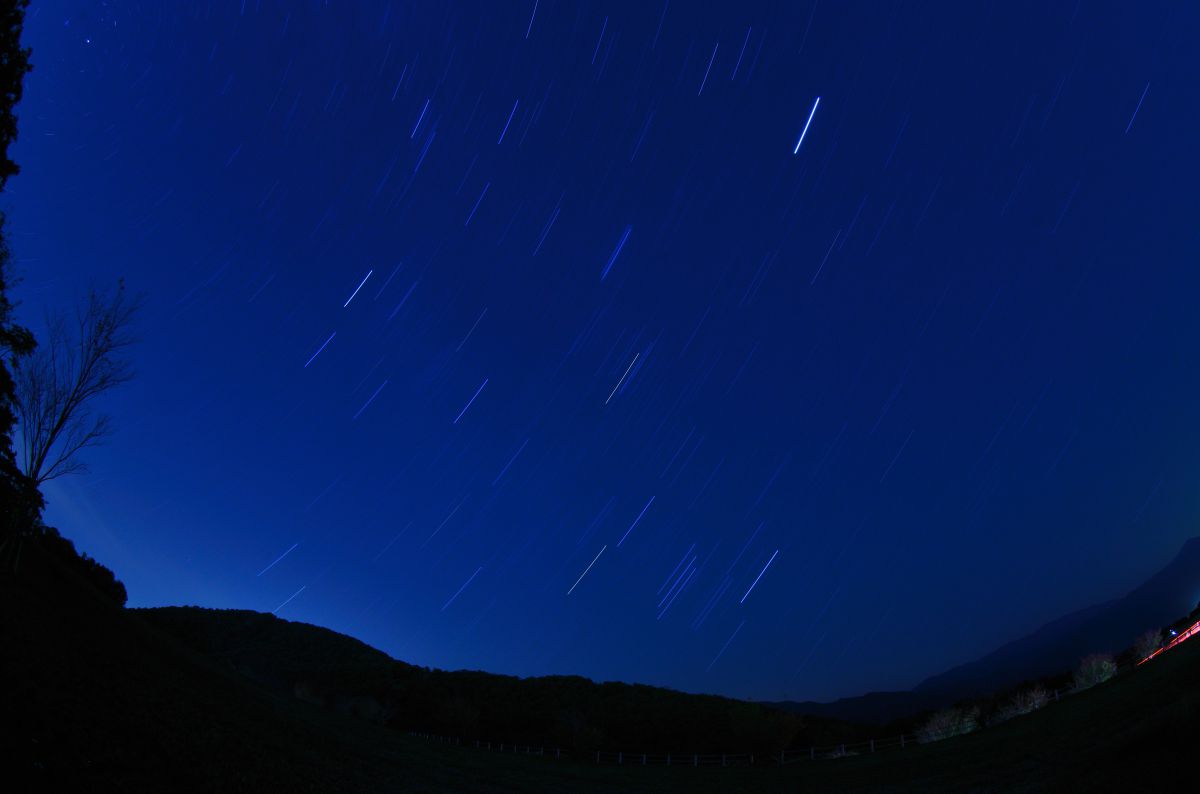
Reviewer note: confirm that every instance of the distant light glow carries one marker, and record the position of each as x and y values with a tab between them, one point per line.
1191	631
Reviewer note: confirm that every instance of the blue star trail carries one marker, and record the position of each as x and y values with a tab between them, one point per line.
513	336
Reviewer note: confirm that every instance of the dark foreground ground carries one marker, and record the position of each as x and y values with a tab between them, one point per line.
96	699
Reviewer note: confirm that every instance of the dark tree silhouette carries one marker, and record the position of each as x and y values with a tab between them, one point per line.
58	384
15	341
14	63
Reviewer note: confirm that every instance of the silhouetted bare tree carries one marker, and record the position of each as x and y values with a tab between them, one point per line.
57	385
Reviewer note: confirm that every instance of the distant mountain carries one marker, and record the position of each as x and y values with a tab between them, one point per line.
1059	645
1054	648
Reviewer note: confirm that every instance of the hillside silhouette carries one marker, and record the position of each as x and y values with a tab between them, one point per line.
1057	646
188	699
568	712
101	698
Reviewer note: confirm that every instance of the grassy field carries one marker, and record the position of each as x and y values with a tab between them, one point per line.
97	699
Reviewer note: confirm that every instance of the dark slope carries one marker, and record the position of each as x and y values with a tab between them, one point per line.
873	708
105	702
98	699
1132	733
1054	648
273	652
1060	644
556	711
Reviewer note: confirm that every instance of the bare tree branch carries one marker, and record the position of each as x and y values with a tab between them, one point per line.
58	384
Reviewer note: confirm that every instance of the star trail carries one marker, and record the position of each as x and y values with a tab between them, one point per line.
677	343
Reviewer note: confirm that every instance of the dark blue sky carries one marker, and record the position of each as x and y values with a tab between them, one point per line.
936	371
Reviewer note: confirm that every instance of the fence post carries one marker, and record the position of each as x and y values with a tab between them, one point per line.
643	759
597	756
872	745
620	758
751	759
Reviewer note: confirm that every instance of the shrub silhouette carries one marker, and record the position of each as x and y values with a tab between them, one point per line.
840	752
1023	702
1094	669
1147	643
953	721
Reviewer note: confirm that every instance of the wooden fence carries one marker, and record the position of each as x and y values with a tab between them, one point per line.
783	758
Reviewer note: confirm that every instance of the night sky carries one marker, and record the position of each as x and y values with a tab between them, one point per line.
792	350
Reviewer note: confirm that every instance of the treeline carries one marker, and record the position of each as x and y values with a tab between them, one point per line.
571	712
95	574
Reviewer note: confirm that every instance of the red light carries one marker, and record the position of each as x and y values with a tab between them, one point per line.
1192	629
